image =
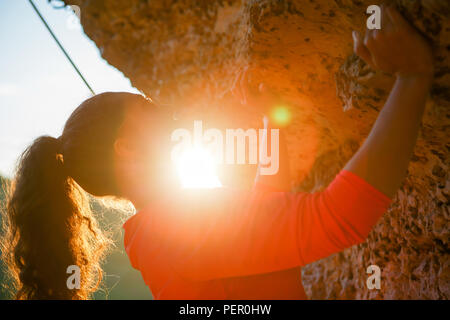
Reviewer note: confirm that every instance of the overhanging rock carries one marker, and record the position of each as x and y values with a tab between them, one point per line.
187	53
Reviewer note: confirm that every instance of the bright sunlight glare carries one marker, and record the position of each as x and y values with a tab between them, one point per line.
196	168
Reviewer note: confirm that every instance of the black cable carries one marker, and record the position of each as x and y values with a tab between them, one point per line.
61	47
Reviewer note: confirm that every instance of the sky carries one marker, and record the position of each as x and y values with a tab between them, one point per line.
39	88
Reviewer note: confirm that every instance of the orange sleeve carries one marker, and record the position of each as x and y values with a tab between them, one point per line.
338	217
221	234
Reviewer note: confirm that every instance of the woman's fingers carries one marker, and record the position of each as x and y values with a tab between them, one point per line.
375	42
387	24
372	47
360	49
396	18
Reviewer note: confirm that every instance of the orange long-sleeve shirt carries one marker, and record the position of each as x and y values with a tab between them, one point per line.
234	244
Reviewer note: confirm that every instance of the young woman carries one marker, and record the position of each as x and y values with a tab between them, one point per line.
207	244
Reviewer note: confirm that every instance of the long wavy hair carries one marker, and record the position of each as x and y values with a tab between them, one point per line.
48	222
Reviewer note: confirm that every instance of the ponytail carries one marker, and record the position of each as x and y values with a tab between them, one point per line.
49	228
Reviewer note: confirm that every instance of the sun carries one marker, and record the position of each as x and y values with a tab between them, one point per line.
196	168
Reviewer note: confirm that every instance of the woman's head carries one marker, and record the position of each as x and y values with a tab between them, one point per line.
107	132
49	223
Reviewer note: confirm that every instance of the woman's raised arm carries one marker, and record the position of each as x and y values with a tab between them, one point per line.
397	48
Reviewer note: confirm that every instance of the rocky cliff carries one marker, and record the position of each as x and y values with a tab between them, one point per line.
186	54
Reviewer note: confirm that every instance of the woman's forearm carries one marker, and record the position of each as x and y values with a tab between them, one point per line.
399	49
383	158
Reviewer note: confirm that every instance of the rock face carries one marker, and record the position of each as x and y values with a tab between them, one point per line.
186	54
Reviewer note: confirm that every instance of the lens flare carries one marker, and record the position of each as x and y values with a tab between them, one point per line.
196	168
281	115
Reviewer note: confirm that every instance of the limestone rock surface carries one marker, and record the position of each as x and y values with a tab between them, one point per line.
186	54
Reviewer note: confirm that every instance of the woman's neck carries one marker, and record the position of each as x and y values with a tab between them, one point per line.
144	192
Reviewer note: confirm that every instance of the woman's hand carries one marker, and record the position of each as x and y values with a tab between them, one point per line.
396	48
264	100
261	98
383	158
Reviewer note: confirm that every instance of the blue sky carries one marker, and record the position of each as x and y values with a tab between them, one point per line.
38	86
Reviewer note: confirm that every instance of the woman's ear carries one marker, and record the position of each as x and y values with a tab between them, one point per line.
123	149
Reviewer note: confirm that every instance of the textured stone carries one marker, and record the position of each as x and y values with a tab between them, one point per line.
185	54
